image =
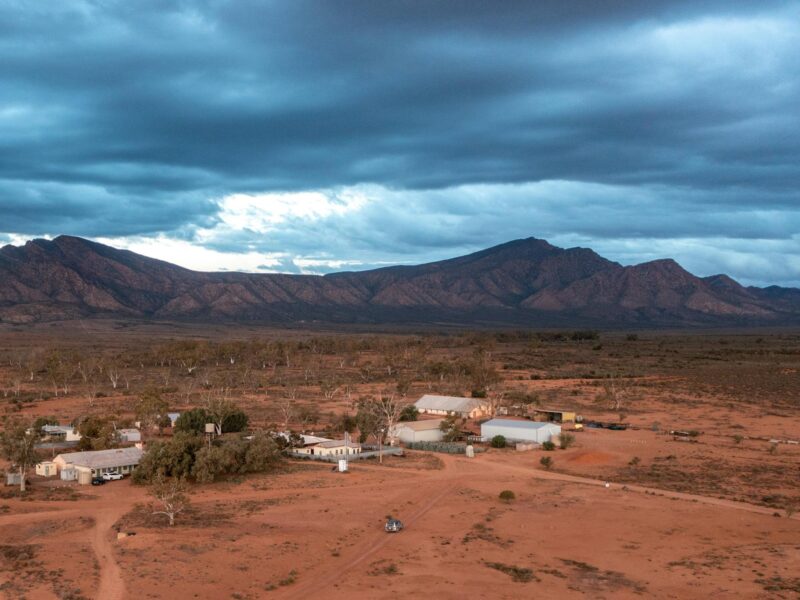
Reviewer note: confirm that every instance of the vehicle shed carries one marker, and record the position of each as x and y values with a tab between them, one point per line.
520	431
554	415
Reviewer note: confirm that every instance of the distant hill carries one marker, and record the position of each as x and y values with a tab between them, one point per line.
521	283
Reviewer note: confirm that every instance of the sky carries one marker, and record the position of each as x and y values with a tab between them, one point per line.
311	137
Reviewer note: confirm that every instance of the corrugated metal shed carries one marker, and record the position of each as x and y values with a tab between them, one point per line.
520	431
450	404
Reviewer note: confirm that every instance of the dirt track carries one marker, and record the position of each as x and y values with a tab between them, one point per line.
419	493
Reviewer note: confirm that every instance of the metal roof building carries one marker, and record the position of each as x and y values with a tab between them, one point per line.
520	431
97	462
409	432
469	408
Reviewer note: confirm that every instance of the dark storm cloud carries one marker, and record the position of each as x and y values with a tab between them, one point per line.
122	118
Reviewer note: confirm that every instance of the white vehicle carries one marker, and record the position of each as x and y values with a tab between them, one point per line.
112	476
393	525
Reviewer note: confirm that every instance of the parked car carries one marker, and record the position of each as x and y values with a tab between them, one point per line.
98	481
112	476
393	526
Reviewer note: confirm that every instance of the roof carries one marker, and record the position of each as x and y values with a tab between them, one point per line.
57	428
338	444
518	424
308	440
128	430
313	439
425	425
449	403
103	459
555	410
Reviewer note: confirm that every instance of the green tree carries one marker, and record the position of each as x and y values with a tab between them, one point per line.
409	413
566	440
451	428
235	421
97	433
150	408
18	444
498	441
193	421
172	458
346	423
210	462
262	453
369	420
42	421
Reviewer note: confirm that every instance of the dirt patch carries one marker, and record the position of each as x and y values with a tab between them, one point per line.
588	577
23	571
194	516
590	457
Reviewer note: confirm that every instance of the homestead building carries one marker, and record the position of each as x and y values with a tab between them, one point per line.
466	408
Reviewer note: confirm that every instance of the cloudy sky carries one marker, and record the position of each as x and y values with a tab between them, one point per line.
315	136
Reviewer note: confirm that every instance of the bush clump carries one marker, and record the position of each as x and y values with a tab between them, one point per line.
547	462
507	496
549	446
498	441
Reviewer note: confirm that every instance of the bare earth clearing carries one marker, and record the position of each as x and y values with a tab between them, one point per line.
691	518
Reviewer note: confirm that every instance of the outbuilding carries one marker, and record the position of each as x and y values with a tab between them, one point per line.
61	433
554	415
467	408
410	432
96	463
520	431
46	468
130	435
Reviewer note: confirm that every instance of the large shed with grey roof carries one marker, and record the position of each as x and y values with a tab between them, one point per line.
468	408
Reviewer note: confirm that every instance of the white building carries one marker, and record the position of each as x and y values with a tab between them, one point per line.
520	431
331	448
98	462
129	435
46	468
467	408
410	432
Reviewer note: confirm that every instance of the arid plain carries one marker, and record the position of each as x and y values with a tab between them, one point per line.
708	511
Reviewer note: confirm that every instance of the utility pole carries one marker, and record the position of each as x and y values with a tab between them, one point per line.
380	447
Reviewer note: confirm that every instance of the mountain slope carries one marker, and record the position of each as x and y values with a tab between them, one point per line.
524	282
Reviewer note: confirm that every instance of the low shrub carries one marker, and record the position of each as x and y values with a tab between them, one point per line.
498	441
507	496
566	440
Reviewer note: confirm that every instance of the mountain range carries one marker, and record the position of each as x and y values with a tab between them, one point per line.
525	282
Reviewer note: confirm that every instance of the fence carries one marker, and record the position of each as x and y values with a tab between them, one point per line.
445	447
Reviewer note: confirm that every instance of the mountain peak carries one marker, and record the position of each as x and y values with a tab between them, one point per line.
524	282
